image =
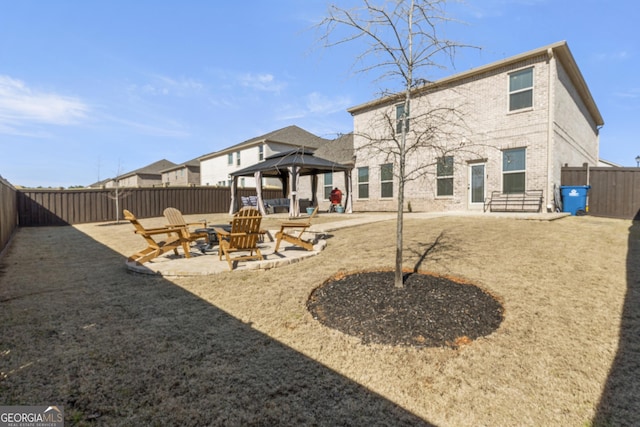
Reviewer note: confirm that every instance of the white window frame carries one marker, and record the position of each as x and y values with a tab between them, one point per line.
328	185
520	90
441	161
514	171
388	182
363	183
399	116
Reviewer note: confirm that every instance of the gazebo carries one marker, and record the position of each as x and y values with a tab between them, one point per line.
289	166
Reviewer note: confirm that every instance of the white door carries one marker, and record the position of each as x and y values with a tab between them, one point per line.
476	185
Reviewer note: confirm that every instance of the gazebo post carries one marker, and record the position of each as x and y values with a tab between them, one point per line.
234	195
314	190
348	184
258	178
294	207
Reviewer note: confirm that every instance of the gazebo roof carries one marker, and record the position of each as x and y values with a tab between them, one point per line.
303	158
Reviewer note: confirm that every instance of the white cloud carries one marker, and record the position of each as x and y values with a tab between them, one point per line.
321	104
21	106
632	93
621	55
314	104
263	82
165	86
481	9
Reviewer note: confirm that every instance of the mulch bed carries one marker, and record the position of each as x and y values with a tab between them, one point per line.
430	311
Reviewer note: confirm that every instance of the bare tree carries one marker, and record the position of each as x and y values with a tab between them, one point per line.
117	194
402	39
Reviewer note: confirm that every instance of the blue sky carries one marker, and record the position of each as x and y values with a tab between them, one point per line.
93	89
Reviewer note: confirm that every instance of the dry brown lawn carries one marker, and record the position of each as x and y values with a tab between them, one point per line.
240	348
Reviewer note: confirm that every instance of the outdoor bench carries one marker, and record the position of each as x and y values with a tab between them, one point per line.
277	205
529	201
270	205
249	201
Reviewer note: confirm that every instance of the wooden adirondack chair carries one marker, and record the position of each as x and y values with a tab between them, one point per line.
175	239
244	237
175	219
291	231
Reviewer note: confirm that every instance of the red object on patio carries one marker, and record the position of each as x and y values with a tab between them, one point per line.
336	196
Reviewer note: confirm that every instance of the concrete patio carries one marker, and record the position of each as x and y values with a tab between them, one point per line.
207	263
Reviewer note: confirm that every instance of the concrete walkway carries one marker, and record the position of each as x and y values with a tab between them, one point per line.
199	264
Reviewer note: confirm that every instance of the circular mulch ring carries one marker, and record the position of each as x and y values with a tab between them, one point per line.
431	311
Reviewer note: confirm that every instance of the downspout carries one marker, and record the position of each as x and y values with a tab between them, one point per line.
550	120
586	206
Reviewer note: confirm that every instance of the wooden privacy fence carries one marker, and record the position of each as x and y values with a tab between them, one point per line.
614	193
8	212
64	207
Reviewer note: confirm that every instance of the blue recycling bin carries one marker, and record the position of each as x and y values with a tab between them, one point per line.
574	199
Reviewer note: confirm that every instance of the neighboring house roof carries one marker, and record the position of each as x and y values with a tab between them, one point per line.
290	135
191	163
7	183
559	49
152	169
603	162
100	183
339	150
307	162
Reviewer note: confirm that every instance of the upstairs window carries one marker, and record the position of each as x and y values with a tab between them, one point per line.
261	152
230	158
513	170
363	183
444	176
400	117
386	180
237	158
521	89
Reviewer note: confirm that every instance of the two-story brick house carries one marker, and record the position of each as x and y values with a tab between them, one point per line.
524	117
184	174
147	176
215	168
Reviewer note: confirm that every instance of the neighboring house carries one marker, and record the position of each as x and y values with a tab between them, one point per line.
215	168
339	150
148	176
184	174
102	184
525	117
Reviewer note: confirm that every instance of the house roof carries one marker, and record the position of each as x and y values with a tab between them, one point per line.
306	161
603	162
195	163
290	135
152	169
339	150
100	183
560	50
